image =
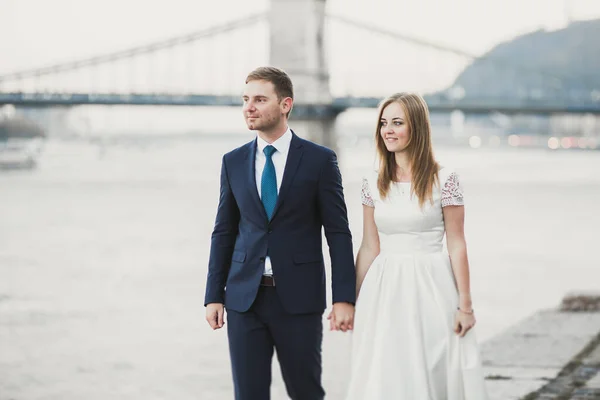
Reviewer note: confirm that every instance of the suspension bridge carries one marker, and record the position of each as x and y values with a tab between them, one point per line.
207	68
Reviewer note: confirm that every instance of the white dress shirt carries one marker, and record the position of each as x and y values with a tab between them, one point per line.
279	159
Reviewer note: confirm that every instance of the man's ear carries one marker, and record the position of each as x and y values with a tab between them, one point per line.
287	104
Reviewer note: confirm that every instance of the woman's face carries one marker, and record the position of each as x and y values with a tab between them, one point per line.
393	128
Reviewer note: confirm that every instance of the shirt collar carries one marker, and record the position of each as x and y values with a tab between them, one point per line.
282	144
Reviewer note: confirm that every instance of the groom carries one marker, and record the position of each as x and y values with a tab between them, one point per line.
266	262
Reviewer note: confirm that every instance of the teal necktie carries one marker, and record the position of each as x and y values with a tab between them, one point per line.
268	182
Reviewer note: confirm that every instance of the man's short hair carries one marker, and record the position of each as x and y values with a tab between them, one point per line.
280	80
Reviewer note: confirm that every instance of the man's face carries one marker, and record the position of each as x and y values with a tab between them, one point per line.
262	109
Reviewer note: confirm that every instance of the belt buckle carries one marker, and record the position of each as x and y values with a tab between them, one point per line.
267	280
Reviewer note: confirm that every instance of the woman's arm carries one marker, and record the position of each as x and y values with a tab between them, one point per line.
454	223
454	217
369	247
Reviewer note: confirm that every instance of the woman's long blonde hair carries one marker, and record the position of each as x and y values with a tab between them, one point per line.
424	168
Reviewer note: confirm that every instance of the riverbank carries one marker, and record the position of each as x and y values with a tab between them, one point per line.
552	355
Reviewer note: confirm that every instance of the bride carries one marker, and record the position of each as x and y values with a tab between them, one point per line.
413	329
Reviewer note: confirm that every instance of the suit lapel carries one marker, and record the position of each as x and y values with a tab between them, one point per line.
250	164
291	166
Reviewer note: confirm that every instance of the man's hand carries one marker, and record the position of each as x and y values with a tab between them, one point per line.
341	317
214	315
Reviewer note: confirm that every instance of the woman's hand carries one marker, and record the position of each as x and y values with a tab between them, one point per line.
463	322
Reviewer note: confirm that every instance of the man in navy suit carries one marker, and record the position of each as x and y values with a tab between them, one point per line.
266	261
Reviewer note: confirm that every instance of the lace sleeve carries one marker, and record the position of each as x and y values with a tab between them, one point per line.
452	194
365	194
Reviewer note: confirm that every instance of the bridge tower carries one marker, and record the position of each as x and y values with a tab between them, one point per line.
297	46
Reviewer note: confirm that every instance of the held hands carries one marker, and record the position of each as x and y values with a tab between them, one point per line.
463	322
214	315
341	317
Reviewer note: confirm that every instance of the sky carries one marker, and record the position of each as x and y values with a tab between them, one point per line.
36	33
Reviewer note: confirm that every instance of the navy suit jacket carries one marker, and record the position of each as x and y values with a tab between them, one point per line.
310	198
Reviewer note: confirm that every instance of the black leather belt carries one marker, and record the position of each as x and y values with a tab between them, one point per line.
267	280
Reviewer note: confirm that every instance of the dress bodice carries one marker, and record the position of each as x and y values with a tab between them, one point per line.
405	227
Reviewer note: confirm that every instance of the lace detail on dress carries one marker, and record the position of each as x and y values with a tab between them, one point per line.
365	194
452	194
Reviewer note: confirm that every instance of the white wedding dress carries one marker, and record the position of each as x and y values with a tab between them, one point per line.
403	344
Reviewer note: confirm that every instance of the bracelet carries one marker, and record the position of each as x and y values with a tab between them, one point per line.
466	312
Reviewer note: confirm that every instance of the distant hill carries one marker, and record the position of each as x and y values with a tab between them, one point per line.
537	64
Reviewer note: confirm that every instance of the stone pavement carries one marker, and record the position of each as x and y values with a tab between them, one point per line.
552	355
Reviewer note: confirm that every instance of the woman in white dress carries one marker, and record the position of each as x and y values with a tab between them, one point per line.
413	328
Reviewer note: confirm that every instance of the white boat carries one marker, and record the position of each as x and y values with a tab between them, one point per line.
20	153
21	142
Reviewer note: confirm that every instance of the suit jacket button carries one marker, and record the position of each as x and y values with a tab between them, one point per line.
269	231
262	259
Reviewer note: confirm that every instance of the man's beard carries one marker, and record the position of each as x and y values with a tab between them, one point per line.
264	125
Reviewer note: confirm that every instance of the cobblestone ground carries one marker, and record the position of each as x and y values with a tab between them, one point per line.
552	355
579	380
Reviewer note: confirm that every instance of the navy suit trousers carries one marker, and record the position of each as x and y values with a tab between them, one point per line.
296	338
